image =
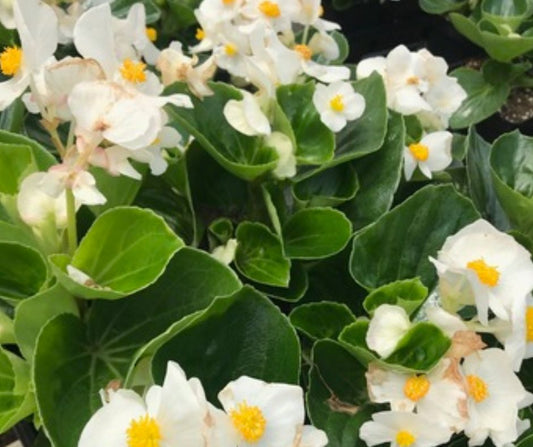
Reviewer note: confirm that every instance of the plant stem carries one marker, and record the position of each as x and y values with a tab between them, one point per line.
72	231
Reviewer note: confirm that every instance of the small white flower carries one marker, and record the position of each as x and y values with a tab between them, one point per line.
282	144
246	116
483	266
225	253
338	103
403	429
268	414
387	327
432	153
495	395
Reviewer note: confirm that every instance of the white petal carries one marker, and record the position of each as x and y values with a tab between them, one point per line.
388	325
373	64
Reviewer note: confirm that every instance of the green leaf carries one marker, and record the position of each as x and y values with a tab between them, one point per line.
321	320
379	175
315	233
484	99
32	314
120	8
73	361
221	229
125	250
398	244
504	14
419	350
315	142
261	344
16	161
21	234
408	294
183	11
337	400
259	255
43	158
23	271
328	188
511	162
295	290
16	398
441	6
244	156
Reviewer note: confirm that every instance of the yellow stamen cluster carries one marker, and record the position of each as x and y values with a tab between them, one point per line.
304	51
10	61
270	9
336	103
151	33
416	387
230	49
419	151
200	34
529	324
228	2
487	274
477	388
133	71
413	80
405	438
249	422
144	432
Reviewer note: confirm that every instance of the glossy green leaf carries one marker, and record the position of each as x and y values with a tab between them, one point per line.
261	344
23	271
328	188
221	229
43	158
125	250
16	397
315	142
315	233
73	360
324	319
295	290
183	11
32	314
337	400
507	14
441	6
379	175
121	7
16	162
17	233
7	331
244	156
259	255
511	164
408	294
397	245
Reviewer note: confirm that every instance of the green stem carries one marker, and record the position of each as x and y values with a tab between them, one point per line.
72	231
306	35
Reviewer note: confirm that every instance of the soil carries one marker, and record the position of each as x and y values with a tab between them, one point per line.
519	106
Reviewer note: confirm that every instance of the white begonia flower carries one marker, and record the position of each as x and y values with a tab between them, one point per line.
386	328
337	104
218	11
232	51
36	24
495	394
175	66
246	116
483	266
324	73
432	153
438	395
225	253
447	322
277	14
403	429
310	13
282	144
175	414
35	207
267	414
7	17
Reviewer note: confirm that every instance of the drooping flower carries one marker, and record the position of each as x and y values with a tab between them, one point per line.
225	253
246	116
282	144
387	327
337	104
432	153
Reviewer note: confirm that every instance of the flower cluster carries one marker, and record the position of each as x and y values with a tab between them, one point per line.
417	84
473	388
177	413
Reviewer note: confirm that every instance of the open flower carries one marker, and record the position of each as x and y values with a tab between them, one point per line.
337	104
432	153
403	429
268	414
483	266
387	327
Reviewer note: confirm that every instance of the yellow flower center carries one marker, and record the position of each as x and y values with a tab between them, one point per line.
10	61
228	2
416	387
249	422
200	34
230	49
270	9
133	71
151	33
304	51
337	103
529	324
487	274
419	151
144	432
413	80
477	388
405	438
